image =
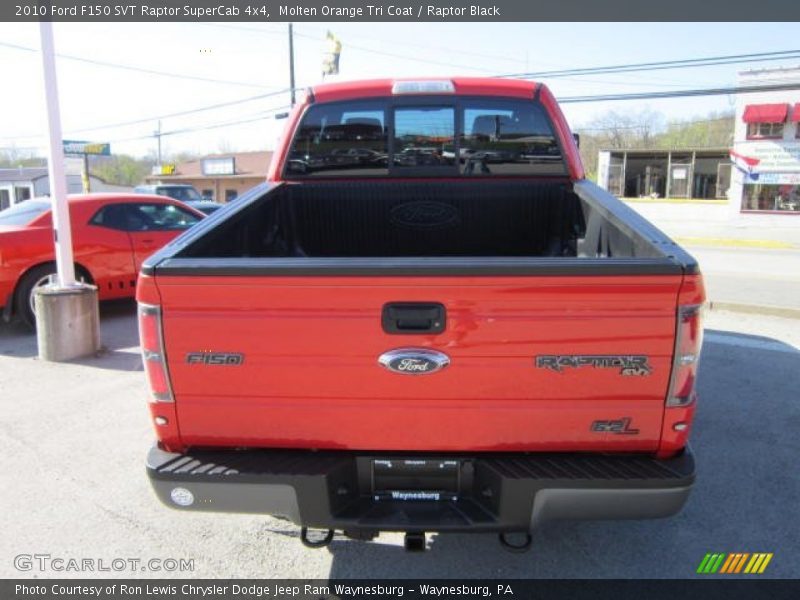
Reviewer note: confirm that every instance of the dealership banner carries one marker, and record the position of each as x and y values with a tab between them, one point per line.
741	587
398	10
767	162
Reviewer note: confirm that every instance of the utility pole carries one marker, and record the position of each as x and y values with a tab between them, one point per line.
62	231
157	134
291	63
66	314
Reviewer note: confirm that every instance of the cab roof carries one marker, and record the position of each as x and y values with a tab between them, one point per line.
464	86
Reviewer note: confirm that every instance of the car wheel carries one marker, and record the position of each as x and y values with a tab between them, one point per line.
24	296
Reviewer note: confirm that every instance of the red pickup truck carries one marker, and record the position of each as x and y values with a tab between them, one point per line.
426	320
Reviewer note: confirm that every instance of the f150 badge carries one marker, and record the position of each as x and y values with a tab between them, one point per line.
627	364
214	358
414	361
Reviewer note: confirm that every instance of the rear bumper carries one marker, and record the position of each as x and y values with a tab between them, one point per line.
491	493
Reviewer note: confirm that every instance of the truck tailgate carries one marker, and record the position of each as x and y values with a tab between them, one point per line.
309	375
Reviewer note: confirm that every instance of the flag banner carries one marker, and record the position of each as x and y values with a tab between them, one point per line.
330	62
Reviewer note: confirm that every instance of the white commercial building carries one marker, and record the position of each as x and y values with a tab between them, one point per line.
23	183
765	182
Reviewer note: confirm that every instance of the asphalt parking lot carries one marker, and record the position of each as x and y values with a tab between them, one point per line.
75	436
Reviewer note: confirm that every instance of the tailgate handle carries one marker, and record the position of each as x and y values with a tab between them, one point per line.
413	317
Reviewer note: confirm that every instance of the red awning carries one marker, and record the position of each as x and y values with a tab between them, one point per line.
765	113
795	118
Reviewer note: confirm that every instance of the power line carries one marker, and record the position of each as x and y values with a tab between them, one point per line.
263	116
402	56
260	117
138	69
164	116
407	42
461	52
661	65
682	93
668	124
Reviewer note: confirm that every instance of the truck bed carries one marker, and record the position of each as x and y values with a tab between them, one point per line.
419	219
295	280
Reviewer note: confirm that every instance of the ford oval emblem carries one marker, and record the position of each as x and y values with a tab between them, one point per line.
414	361
422	214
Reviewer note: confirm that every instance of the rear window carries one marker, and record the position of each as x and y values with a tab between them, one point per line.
24	212
341	139
451	136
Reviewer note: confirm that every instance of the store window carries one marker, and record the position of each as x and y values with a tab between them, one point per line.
761	131
230	195
22	193
771	198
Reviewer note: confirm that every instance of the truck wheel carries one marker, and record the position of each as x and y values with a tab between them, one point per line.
23	298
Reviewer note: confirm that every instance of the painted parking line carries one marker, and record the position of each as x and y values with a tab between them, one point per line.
746	342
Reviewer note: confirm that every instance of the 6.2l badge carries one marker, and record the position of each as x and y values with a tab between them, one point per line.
414	361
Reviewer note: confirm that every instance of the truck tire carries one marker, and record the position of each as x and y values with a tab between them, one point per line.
23	297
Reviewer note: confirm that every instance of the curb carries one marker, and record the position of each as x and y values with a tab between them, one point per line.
734	243
756	309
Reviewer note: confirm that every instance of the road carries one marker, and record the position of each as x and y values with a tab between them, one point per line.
74	438
751	276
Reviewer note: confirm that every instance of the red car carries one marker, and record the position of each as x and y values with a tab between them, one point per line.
112	235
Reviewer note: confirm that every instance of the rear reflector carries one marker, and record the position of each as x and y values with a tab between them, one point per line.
155	363
423	87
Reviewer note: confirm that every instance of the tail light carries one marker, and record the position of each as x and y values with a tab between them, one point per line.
688	343
155	360
681	396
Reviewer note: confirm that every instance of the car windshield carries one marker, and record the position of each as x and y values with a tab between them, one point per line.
184	194
24	212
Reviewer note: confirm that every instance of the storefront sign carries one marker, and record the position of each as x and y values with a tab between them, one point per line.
167	169
770	156
775	179
77	147
218	166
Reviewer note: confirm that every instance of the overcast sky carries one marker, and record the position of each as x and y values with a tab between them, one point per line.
252	59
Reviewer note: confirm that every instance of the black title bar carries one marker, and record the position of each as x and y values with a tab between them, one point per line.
733	588
254	11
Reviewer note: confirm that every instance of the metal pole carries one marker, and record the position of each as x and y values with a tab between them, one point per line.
291	63
62	232
158	137
87	187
